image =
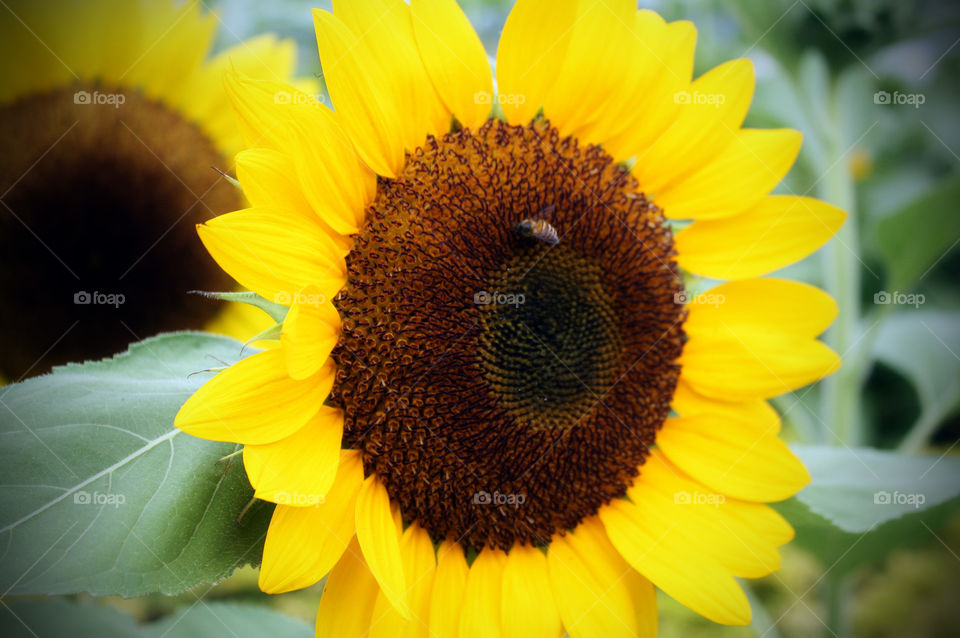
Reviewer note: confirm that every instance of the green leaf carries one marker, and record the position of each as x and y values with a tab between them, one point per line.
924	345
276	311
863	502
273	332
850	486
100	493
229	619
58	617
916	237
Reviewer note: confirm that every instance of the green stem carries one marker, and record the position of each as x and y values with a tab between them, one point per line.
841	391
762	623
838	595
921	431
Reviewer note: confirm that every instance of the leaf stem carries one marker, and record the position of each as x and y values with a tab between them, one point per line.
838	594
921	431
840	398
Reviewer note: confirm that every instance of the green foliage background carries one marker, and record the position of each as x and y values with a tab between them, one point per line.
856	569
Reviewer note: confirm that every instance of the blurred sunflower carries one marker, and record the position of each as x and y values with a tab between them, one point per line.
511	418
111	117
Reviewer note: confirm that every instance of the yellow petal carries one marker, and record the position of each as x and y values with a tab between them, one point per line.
348	597
655	113
760	307
298	470
304	543
528	607
269	180
480	616
703	517
274	253
589	584
756	413
44	38
777	232
449	588
640	61
177	39
649	543
741	175
231	405
378	532
760	519
310	332
419	565
386	27
732	459
740	370
337	185
454	58
264	109
599	37
201	95
754	338
532	48
362	95
710	113
644	596
261	57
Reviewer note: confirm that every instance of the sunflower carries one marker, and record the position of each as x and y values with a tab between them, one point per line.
112	117
503	401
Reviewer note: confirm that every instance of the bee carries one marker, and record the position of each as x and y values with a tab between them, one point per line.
538	229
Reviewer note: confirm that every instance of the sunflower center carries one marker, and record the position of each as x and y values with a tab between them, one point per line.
510	335
549	342
100	192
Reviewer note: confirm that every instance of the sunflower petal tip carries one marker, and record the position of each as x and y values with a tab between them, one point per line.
743	618
320	16
186	415
835	364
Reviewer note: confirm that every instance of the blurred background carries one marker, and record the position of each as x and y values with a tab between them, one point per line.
873	87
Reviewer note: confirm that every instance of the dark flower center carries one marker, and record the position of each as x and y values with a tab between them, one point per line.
100	192
550	341
510	334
